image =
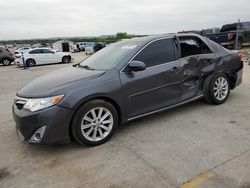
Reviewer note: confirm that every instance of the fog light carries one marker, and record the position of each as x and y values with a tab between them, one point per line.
38	135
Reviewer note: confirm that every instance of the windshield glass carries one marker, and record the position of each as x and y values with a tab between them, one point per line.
108	57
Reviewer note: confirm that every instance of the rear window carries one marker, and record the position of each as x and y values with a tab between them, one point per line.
193	46
46	51
3	50
217	47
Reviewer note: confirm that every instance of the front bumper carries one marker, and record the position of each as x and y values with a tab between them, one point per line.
18	62
56	119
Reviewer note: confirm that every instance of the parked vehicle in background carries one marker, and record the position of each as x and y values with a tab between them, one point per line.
95	48
191	31
205	32
81	45
18	52
227	35
6	56
124	81
76	48
99	46
38	56
89	50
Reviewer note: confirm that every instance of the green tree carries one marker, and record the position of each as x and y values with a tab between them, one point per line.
122	35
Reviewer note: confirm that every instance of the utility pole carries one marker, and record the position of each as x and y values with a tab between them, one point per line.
237	36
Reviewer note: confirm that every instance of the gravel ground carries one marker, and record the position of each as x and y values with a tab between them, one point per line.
195	145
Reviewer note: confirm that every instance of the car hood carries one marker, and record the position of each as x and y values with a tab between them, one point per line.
50	84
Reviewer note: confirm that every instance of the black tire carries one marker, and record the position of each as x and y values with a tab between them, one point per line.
211	89
66	59
78	121
6	62
30	63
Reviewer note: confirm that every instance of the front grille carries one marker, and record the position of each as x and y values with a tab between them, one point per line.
20	102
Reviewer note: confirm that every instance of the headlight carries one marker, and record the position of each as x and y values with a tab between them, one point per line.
39	104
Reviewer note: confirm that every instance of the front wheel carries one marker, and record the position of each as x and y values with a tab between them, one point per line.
218	89
95	122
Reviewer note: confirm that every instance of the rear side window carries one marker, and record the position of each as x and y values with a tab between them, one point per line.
4	50
36	52
46	51
193	46
158	52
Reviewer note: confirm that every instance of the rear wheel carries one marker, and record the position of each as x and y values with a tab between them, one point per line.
30	63
6	62
95	122
218	89
65	59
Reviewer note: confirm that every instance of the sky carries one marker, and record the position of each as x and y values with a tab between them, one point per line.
27	19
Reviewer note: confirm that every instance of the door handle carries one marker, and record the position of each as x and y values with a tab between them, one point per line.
208	60
176	69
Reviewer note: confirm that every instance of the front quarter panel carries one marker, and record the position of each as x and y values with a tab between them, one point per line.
106	86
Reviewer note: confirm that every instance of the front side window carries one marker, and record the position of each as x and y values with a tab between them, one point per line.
158	52
193	46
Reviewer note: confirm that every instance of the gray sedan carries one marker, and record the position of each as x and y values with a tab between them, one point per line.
124	81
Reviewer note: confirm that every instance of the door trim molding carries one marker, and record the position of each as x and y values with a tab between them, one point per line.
166	108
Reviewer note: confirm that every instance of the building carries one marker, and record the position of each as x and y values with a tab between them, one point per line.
64	46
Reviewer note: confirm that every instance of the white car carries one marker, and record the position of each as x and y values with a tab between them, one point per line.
39	56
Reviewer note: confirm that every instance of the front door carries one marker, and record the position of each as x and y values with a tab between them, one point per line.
157	86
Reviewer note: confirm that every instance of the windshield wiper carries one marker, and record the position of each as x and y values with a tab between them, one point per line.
86	67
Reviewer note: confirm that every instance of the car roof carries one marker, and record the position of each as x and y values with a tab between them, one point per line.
146	39
41	49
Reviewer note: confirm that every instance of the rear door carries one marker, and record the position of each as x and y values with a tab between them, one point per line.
198	62
37	55
157	86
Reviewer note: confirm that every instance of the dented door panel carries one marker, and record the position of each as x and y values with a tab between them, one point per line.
196	68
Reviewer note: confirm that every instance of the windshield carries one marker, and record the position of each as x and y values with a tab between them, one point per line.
108	57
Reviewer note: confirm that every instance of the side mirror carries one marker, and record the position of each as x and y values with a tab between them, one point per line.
136	66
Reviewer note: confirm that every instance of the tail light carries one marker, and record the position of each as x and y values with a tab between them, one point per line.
240	55
230	36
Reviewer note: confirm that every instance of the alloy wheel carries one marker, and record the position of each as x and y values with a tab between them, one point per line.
97	124
221	88
6	62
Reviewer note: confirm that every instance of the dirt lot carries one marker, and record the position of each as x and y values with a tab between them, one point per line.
204	145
